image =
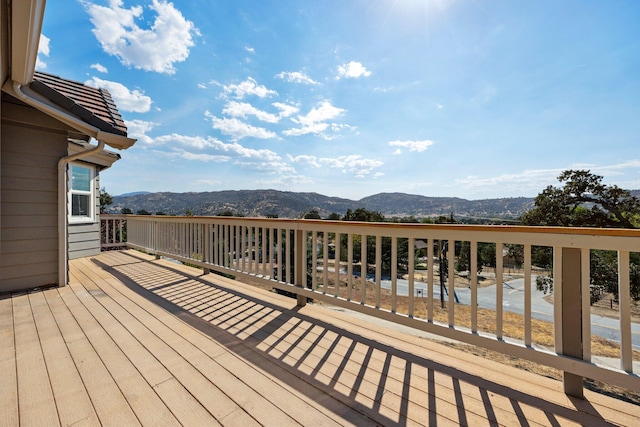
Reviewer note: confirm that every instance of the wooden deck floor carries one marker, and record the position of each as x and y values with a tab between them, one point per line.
135	340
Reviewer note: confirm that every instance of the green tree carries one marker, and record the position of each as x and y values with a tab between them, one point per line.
334	216
312	214
126	211
105	199
143	212
363	215
583	201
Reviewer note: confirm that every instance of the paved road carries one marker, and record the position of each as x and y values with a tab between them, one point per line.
513	301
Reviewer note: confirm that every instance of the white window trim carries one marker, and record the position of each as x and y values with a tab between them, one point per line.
91	218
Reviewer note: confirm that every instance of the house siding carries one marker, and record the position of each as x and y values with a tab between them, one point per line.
31	144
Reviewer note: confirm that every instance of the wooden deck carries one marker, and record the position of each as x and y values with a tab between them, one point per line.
135	340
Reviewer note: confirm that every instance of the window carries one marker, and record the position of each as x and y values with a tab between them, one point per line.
81	193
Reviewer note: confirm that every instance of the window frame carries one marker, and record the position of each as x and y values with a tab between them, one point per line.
91	217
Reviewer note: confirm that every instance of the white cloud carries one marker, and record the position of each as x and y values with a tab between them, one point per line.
43	49
315	122
158	48
247	87
197	142
353	70
201	157
99	68
316	128
126	100
611	169
352	164
286	110
296	77
324	112
249	49
138	129
307	159
418	146
533	181
238	129
243	109
214	150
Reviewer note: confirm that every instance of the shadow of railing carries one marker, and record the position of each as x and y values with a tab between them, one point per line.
390	386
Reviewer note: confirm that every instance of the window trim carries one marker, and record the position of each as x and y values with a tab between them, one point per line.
80	219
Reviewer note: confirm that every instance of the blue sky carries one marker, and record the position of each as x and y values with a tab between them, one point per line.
349	98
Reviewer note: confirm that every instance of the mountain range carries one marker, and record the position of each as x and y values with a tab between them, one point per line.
286	204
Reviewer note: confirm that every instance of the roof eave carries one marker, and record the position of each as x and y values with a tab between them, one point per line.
44	105
26	26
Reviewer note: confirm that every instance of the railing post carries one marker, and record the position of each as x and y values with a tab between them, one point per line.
299	265
571	306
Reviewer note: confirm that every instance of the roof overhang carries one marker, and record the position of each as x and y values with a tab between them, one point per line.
41	103
26	26
104	158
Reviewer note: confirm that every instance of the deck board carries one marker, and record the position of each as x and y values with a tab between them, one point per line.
74	405
8	376
105	395
35	396
134	340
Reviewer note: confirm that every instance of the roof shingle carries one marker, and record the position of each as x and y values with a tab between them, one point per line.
94	106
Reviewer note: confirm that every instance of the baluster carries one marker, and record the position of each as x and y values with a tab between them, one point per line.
378	269
624	297
363	268
287	252
430	278
411	260
527	295
499	290
349	266
337	265
451	281
272	251
394	273
325	261
314	260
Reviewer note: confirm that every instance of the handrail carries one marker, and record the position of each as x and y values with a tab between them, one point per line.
317	259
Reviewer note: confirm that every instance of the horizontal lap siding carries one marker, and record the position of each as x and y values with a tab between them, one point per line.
84	240
28	191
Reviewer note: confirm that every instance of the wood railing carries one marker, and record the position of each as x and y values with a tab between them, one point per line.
307	258
113	231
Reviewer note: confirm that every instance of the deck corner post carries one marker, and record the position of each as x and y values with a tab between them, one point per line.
299	266
572	339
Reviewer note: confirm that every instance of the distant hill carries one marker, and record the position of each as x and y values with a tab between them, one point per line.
286	204
135	193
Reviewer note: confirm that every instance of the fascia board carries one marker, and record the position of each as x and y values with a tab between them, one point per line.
26	26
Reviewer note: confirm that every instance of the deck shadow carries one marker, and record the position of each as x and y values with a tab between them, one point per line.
253	349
